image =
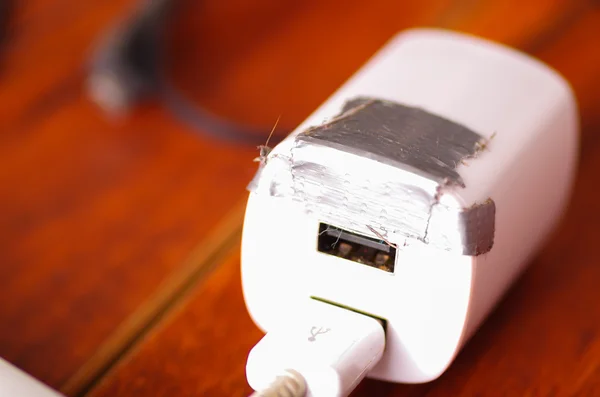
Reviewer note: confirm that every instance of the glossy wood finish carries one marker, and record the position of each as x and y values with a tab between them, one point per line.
96	216
110	229
510	356
200	353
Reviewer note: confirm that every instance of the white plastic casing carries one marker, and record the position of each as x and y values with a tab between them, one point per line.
14	382
435	299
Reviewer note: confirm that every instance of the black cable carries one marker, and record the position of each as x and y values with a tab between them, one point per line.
129	66
6	10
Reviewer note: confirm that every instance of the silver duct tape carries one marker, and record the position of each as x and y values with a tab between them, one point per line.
335	172
477	228
359	204
402	136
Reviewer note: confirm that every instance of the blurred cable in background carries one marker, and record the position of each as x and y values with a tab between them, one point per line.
5	11
128	67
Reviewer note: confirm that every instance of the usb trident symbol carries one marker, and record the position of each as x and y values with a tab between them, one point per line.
314	331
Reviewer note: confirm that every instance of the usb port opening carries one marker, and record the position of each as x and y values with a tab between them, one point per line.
355	247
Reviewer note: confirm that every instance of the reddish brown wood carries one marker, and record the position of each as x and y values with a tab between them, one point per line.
545	337
46	49
96	216
201	352
290	58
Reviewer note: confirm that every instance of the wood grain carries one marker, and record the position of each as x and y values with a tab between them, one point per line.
95	215
107	227
94	218
202	351
289	59
545	337
45	54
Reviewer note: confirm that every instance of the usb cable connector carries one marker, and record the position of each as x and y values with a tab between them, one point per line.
324	351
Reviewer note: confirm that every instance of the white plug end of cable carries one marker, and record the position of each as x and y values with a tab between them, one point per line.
323	351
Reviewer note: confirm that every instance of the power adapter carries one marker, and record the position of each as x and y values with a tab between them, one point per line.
381	232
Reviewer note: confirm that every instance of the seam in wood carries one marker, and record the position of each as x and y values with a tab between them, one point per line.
208	254
203	259
554	30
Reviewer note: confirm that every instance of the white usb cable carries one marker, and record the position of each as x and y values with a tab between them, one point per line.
323	351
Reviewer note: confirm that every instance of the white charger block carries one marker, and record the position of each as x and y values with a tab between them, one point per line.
416	193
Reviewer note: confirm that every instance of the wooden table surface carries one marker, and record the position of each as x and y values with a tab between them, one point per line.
119	239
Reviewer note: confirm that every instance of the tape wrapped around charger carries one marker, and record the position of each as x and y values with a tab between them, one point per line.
340	172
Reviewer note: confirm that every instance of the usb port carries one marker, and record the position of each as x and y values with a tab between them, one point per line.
356	248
